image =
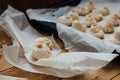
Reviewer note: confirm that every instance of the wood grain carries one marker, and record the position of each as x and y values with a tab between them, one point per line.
3	62
117	77
30	76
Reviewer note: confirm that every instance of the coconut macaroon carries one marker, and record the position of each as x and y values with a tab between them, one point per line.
104	11
106	26
73	15
90	5
115	38
96	31
86	8
65	20
78	26
118	13
82	11
88	21
113	19
42	48
97	15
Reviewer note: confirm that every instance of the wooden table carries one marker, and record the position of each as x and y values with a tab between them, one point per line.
109	72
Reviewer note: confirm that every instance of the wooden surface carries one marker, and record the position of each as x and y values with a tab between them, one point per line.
109	72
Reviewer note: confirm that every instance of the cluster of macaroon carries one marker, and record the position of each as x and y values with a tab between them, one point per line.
93	21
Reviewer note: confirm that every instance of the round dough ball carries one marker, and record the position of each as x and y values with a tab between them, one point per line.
78	26
88	21
107	27
97	15
65	20
104	11
115	38
96	31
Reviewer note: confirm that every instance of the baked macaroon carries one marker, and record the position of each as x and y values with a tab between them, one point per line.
114	19
42	48
96	31
86	8
106	26
115	38
78	26
97	15
104	11
90	5
88	21
82	11
73	15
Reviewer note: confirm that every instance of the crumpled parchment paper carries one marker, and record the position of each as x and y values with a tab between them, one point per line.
62	65
3	77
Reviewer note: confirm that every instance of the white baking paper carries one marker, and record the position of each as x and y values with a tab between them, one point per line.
78	41
61	65
3	77
49	15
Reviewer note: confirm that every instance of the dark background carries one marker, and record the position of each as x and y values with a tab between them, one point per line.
22	5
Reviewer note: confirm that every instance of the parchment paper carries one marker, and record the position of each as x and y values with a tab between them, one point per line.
62	65
2	77
78	41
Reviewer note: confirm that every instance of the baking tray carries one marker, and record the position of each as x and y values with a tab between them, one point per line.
49	26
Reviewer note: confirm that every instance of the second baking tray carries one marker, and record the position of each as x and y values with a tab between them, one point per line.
49	26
